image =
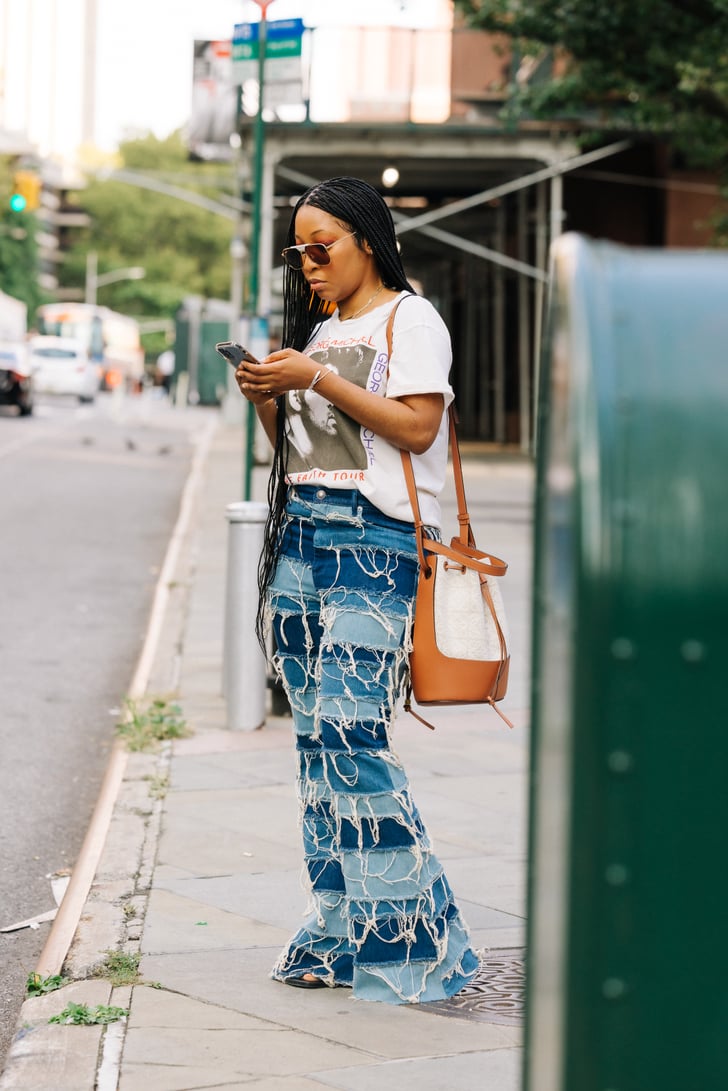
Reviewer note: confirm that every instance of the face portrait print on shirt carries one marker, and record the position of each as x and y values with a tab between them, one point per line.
319	434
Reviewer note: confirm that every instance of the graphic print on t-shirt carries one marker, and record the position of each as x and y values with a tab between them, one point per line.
319	434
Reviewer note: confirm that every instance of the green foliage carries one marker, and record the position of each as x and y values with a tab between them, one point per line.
143	729
80	1015
39	986
183	249
656	65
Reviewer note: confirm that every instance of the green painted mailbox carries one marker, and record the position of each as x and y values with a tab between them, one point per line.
628	882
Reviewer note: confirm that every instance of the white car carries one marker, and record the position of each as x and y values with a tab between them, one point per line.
61	365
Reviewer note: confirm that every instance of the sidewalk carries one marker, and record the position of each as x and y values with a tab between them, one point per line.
201	869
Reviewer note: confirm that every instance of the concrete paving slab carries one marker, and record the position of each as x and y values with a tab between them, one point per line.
157	1009
272	809
238	1053
478	883
459	820
484	922
274	897
160	1077
48	1057
487	939
275	734
496	1071
160	1008
204	849
234	769
286	1083
53	1059
381	1029
175	923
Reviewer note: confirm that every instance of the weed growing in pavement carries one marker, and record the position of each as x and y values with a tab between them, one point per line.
81	1015
145	728
121	968
158	786
39	986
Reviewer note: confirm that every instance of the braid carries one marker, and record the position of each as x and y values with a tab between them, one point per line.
360	208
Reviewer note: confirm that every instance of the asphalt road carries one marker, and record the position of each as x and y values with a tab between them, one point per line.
88	499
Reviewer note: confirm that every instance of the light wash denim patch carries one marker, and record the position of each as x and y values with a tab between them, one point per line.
382	916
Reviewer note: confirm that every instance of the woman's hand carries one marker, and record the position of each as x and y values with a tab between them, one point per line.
276	374
411	422
250	390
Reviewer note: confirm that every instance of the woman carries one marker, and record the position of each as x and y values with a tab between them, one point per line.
338	578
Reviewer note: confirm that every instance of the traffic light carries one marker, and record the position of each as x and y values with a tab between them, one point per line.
26	191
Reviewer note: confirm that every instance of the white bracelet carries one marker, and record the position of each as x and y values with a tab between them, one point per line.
317	378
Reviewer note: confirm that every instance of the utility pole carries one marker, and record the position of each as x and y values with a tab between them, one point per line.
258	157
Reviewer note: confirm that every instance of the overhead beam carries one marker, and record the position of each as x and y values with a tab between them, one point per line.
437	233
418	222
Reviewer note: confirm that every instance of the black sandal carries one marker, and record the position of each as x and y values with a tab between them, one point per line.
302	983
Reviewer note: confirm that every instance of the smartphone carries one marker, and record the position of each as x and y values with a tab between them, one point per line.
234	353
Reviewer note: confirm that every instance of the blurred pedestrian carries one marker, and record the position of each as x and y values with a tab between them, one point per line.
165	369
338	578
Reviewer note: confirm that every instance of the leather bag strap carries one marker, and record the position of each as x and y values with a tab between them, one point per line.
466	531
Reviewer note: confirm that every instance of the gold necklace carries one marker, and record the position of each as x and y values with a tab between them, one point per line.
362	309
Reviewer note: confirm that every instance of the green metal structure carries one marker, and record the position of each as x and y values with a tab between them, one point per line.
628	880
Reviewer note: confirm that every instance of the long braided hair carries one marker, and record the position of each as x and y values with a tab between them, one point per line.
362	210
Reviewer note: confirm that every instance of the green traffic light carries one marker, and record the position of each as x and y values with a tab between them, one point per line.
17	202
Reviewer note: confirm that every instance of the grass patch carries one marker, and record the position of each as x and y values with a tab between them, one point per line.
80	1015
143	728
158	786
121	968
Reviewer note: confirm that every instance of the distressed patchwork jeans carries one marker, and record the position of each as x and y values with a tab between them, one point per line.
382	917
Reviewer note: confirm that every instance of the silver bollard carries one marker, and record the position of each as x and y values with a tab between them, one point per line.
244	666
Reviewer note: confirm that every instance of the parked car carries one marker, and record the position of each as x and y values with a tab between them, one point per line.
16	381
61	365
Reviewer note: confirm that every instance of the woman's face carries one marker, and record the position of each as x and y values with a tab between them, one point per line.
349	267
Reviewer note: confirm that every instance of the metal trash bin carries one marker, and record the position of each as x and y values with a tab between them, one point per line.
628	883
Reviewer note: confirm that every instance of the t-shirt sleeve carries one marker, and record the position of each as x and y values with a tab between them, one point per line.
421	352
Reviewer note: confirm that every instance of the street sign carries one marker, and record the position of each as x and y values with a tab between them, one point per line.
283	47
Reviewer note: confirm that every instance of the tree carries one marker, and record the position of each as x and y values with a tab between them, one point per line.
183	250
644	65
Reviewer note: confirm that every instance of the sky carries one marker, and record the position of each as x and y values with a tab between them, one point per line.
156	36
143	55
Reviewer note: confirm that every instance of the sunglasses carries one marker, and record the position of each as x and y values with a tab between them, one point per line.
316	252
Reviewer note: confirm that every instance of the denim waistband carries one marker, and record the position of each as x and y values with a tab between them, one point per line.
347	502
318	494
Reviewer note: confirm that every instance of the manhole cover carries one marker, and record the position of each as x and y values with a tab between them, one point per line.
496	994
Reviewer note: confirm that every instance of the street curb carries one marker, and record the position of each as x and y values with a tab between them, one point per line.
104	905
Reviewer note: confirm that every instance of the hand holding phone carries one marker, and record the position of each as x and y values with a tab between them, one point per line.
235	354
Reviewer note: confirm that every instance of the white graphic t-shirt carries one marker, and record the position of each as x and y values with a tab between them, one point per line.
330	449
